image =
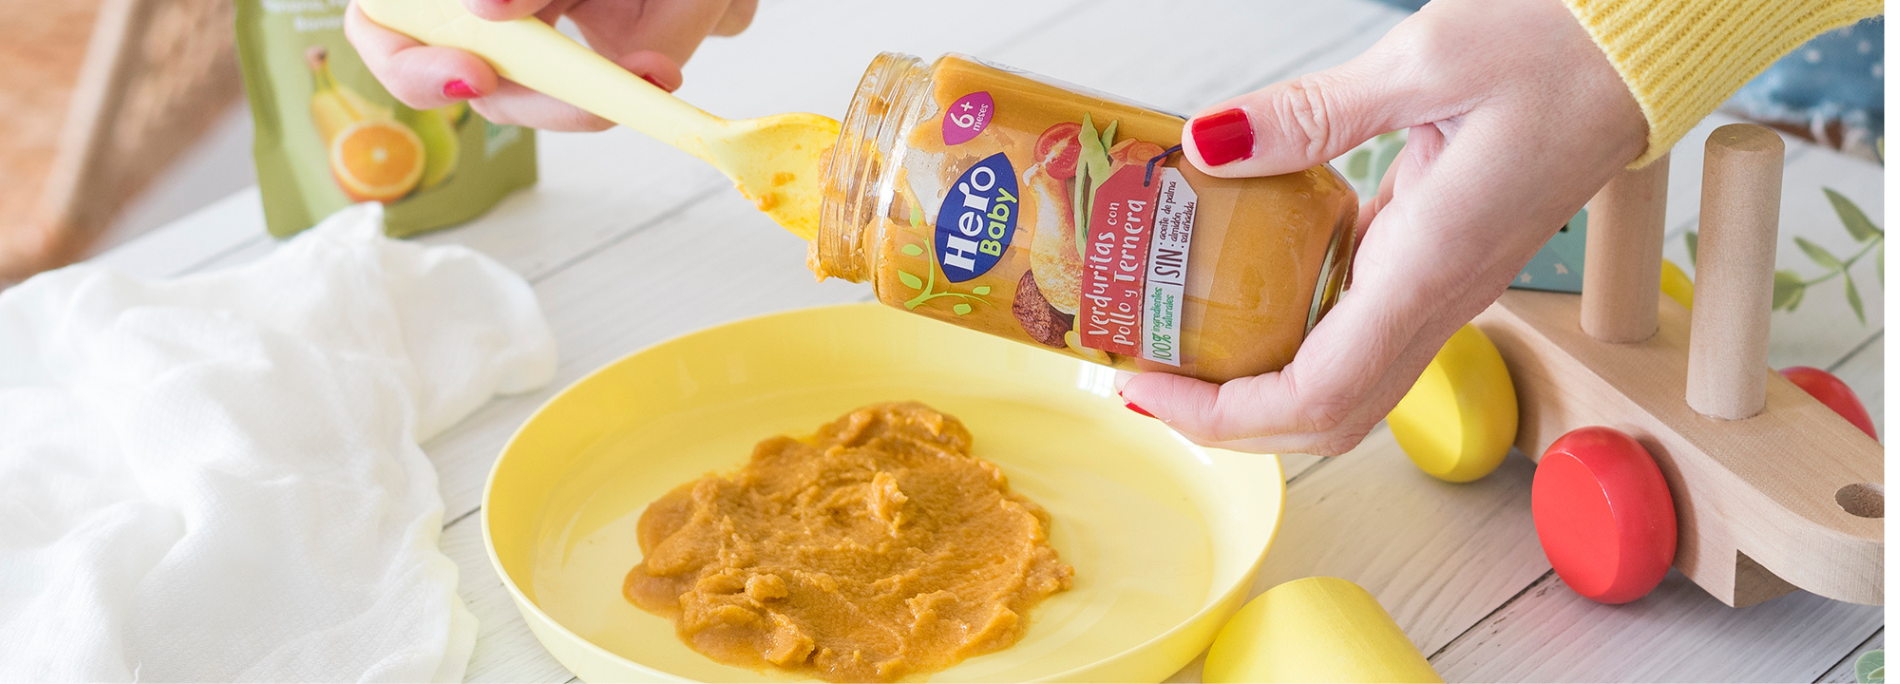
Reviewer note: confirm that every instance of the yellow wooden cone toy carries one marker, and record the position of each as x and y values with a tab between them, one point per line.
1317	629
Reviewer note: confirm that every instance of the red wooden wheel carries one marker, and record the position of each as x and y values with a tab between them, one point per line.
1604	515
1829	390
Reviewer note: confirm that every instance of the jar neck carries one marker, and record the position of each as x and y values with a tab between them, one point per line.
855	190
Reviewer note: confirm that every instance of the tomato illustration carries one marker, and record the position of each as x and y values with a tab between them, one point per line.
1059	148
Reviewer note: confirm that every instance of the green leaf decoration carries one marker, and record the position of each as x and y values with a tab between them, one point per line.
1880	264
981	289
1365	166
961	309
916	216
911	250
1820	256
1788	287
1689	239
910	281
1853	299
1357	163
1871	668
1108	134
1858	225
1383	160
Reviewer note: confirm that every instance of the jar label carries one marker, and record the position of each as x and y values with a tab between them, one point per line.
1135	262
1167	267
1075	238
967	117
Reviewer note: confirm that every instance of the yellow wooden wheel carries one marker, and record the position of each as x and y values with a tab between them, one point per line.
1458	421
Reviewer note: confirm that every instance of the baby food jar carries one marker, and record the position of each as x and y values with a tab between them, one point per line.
1023	207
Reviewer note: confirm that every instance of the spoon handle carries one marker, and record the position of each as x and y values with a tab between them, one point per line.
529	52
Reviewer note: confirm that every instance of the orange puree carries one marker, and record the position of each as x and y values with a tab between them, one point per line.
877	549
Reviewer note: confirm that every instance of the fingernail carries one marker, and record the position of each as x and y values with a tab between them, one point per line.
1132	407
656	83
1223	137
460	90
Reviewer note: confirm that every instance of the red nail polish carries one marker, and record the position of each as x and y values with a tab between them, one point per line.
459	90
1132	407
656	83
1223	137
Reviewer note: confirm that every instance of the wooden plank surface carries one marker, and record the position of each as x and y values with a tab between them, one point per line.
616	237
1677	634
1844	670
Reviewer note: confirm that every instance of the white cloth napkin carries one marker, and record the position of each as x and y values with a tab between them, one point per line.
218	477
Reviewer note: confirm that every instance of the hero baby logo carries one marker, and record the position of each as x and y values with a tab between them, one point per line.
977	219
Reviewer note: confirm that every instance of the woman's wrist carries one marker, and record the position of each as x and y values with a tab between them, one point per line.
1682	59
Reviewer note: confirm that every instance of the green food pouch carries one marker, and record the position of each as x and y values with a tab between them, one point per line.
328	135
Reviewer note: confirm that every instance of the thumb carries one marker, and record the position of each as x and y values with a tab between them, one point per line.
1300	123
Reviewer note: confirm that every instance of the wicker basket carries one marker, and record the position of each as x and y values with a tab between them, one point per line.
107	93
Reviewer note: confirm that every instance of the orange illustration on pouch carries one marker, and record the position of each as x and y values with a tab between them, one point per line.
374	154
376	160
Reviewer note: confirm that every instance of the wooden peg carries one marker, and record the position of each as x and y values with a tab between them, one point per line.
1735	272
1622	262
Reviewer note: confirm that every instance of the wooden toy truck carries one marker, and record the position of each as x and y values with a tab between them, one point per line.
1772	490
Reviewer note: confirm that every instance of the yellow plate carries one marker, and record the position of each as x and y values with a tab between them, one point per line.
1165	536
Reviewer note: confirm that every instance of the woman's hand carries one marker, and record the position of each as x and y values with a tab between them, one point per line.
1515	120
651	38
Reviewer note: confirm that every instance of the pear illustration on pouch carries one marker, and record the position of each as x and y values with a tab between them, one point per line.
377	153
440	148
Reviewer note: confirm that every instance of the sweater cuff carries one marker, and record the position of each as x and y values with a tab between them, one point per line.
1683	58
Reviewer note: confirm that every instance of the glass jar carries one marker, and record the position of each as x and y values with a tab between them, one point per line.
1000	201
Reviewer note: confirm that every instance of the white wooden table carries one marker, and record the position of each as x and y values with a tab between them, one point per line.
619	237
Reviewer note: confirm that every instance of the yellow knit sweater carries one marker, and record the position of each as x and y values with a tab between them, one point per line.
1683	58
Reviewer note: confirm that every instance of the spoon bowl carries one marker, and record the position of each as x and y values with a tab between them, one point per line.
778	162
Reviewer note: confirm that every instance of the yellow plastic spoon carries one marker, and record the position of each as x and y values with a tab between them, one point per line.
775	161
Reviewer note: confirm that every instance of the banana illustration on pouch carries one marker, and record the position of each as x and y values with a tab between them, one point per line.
334	106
